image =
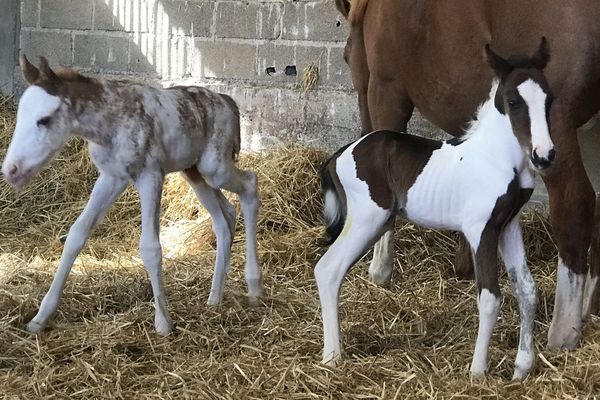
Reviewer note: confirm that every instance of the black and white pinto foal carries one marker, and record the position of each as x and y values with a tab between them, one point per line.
136	134
476	185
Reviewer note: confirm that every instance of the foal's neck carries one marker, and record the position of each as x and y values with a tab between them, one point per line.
492	134
98	119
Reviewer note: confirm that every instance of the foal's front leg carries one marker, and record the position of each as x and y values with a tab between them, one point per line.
485	253
149	185
512	251
106	190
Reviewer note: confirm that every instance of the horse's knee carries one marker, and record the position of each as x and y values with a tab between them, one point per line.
151	252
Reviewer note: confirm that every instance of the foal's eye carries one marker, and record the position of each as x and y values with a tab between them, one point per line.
513	104
43	121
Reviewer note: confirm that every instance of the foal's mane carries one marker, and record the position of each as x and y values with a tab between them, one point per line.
71	75
483	110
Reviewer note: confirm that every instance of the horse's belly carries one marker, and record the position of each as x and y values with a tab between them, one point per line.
435	200
180	151
433	208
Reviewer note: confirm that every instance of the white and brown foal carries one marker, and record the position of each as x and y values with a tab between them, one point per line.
476	185
136	134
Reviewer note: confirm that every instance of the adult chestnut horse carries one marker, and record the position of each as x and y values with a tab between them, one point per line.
428	54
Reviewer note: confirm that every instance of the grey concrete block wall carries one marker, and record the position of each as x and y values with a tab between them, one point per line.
9	26
239	47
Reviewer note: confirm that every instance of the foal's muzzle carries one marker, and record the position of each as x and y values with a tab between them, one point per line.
542	163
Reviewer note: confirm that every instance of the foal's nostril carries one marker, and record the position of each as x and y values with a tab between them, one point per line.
12	169
534	156
551	155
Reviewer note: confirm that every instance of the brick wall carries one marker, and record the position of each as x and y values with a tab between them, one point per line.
226	44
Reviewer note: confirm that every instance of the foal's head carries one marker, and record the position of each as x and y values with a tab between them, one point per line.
524	95
46	116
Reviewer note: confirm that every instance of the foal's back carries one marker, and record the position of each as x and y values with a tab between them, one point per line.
433	183
173	127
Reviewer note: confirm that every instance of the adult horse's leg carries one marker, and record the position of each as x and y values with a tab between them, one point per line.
571	210
390	108
223	216
106	190
463	261
149	185
512	251
591	295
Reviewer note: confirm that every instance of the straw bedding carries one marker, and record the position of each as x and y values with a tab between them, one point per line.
413	340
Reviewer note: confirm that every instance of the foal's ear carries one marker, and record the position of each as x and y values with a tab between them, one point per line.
542	55
30	73
343	7
500	66
45	70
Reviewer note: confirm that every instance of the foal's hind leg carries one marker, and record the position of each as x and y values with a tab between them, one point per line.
244	184
512	251
591	296
223	218
361	229
485	244
149	185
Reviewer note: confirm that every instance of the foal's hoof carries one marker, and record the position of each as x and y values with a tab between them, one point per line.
524	363
255	288
382	280
520	374
564	339
34	327
163	327
477	376
213	301
332	362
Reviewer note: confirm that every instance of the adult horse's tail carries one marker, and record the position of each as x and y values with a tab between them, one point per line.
334	207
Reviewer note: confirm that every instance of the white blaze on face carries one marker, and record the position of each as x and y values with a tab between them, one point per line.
535	98
31	146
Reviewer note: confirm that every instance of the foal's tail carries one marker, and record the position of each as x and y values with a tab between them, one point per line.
334	209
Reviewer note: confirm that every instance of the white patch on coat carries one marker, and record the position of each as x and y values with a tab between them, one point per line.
535	98
489	307
459	185
565	330
332	207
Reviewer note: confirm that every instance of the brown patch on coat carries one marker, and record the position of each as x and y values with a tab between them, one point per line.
486	257
193	175
390	162
65	83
